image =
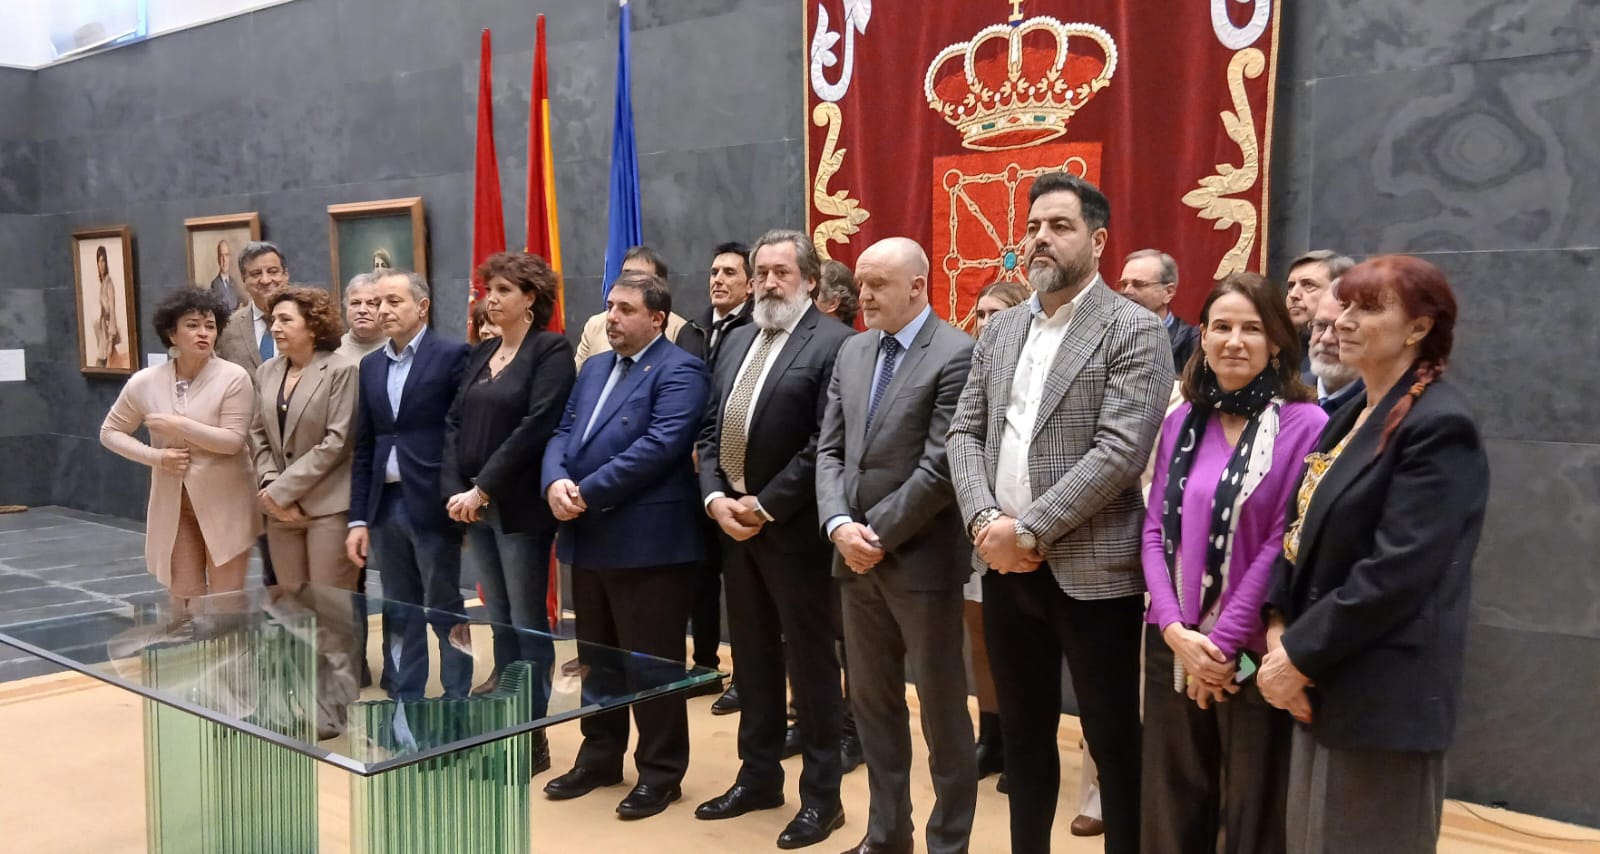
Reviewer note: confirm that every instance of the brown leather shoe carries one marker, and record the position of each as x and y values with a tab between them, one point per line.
1085	825
867	846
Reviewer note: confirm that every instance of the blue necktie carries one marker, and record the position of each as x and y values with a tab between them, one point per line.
266	345
891	348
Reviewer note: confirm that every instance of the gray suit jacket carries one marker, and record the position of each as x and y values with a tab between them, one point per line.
1101	408
308	462
238	342
894	476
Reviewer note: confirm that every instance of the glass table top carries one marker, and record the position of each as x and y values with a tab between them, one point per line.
287	666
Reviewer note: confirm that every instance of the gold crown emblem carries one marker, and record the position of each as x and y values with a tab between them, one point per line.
1013	86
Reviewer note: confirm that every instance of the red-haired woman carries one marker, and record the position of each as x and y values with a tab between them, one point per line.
1368	613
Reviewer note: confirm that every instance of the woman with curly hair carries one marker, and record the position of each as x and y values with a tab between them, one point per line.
301	440
202	518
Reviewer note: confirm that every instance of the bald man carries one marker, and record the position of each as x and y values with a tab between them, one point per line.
900	550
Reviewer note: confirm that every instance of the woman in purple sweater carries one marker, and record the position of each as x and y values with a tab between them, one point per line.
1228	459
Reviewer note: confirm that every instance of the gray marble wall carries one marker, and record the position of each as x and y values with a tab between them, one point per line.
1468	131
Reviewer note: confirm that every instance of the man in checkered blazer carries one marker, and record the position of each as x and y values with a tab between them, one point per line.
1051	432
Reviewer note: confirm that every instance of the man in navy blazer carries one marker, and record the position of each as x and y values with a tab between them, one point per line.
619	477
397	506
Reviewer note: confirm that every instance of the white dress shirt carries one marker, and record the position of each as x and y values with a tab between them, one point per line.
1013	489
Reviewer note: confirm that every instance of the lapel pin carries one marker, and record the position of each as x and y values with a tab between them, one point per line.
647	369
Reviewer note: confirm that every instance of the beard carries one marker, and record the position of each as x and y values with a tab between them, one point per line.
775	311
1059	276
1334	375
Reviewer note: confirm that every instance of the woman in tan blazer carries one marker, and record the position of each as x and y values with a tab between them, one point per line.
202	517
301	440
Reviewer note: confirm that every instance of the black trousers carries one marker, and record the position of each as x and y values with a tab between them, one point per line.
1029	624
639	610
781	606
706	612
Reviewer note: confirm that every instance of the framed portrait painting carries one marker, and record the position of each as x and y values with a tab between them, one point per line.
108	319
366	237
213	244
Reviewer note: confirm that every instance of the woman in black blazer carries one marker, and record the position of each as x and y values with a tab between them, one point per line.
511	399
1368	612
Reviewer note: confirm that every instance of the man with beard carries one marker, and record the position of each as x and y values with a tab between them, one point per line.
1046	446
1336	381
758	478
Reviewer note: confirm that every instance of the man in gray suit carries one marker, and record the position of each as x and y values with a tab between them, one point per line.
883	489
1046	446
223	283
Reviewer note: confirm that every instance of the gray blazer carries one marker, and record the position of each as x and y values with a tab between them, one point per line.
238	343
1101	409
894	476
308	462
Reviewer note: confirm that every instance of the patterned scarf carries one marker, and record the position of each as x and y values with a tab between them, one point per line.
1252	457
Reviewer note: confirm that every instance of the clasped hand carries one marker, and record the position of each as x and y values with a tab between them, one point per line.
1281	683
565	501
997	545
858	545
738	518
466	507
1210	671
272	508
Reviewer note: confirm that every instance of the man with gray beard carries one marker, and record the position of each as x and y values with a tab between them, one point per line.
1337	382
1048	439
758	477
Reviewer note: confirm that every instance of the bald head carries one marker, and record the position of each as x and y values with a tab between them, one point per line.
893	277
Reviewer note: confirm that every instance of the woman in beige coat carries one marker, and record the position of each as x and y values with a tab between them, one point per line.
301	441
202	517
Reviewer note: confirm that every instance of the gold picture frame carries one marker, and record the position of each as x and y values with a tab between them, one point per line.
365	236
108	313
212	245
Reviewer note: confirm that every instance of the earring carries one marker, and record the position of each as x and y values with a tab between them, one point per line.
1274	363
529	313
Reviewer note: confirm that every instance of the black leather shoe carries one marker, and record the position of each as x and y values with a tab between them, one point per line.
736	802
850	756
867	846
646	800
991	747
728	703
810	826
1001	785
541	753
578	782
791	741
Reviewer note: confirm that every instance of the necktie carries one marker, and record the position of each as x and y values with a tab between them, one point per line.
621	370
266	345
891	349
734	438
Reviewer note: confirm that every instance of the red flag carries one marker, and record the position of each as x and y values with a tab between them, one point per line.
488	216
544	232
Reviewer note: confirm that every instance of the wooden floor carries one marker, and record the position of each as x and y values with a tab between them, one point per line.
71	780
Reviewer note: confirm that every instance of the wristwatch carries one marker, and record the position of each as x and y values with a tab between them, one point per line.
981	521
483	497
1025	539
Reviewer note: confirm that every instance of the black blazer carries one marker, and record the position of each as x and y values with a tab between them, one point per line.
513	440
781	454
417	432
1377	601
1185	339
695	336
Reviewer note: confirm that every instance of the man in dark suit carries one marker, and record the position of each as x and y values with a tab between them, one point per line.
1052	430
1150	278
397	508
884	494
618	475
224	285
703	336
1337	383
758	479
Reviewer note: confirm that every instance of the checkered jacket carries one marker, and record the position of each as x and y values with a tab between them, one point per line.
1102	407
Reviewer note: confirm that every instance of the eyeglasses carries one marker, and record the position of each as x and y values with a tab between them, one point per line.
1137	284
265	273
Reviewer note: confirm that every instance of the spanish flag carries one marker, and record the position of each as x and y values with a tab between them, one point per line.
544	233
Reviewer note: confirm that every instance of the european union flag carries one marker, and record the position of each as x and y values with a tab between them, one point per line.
624	229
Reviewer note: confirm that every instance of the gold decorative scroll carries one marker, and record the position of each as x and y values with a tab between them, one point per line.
1211	198
847	212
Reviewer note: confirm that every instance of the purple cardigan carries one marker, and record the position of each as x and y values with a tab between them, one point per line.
1257	539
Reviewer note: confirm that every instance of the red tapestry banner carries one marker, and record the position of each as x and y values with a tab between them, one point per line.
930	120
